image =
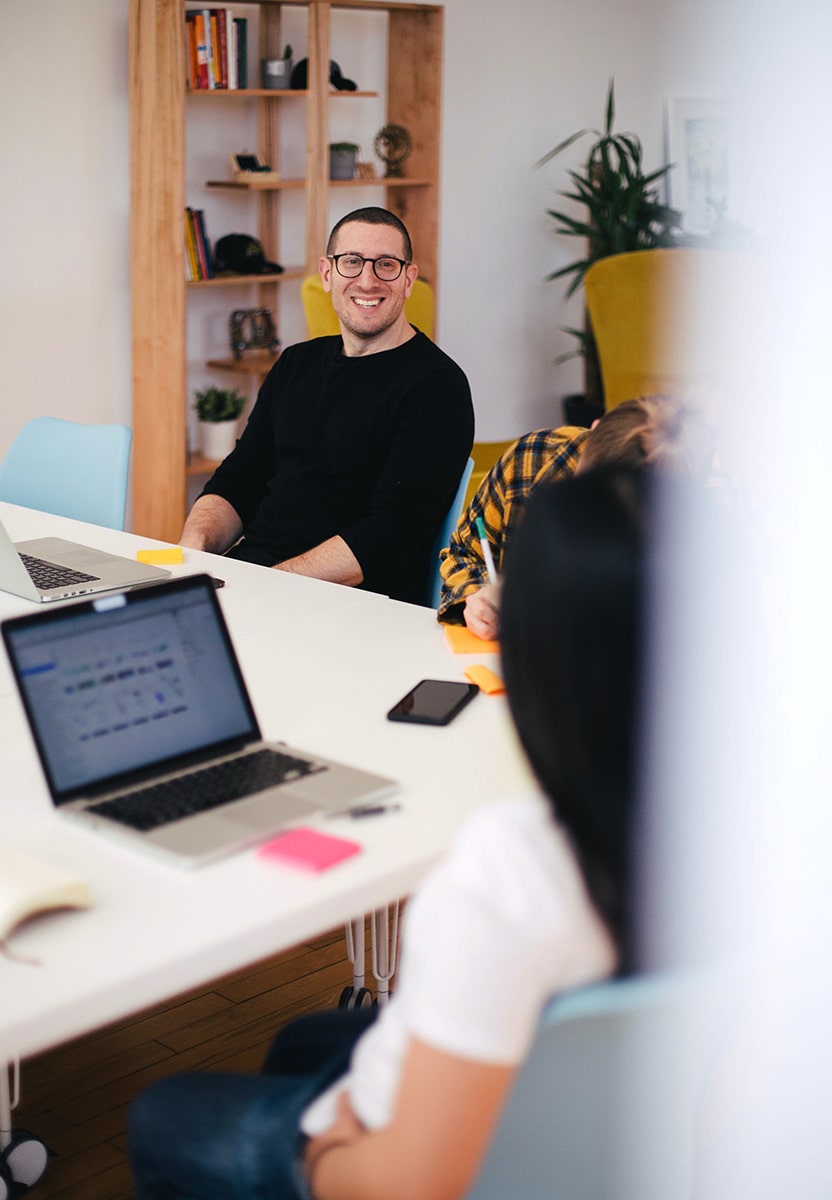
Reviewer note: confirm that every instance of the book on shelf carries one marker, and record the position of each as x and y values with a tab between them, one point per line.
241	33
202	76
198	263
31	885
231	49
215	61
192	75
191	258
221	16
202	247
217	51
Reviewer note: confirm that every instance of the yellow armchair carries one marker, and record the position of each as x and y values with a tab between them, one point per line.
659	317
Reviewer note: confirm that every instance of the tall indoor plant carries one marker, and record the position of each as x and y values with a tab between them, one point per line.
622	212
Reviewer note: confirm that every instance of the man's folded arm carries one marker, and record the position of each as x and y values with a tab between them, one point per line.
332	560
212	524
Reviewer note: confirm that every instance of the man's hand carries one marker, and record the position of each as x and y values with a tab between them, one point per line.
212	525
482	612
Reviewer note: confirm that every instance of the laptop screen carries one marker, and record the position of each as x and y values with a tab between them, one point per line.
127	682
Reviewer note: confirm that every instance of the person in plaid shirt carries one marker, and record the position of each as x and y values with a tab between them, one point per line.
652	429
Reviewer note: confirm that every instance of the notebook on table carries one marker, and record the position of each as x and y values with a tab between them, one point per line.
46	569
146	731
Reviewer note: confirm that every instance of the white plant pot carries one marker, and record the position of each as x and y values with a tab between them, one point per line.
217	438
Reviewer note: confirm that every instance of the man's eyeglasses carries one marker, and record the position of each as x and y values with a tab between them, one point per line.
350	266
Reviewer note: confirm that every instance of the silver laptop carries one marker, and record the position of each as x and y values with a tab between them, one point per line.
146	731
46	569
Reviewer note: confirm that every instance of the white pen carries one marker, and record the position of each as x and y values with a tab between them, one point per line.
486	550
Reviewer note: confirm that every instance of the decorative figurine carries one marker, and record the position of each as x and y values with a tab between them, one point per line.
393	145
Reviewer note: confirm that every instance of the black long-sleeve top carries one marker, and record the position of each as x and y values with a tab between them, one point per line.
368	447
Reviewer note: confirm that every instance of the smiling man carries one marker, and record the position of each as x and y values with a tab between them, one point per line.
354	449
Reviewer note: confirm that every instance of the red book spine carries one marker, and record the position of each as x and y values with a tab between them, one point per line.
203	250
222	42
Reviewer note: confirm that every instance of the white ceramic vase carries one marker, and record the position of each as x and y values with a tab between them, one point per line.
217	438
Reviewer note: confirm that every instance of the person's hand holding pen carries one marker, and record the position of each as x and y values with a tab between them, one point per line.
482	612
482	609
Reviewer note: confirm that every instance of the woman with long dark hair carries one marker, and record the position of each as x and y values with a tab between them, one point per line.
403	1109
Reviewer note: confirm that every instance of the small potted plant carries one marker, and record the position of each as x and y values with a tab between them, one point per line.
218	410
276	73
342	160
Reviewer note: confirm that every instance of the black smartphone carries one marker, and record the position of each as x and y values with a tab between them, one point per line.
433	702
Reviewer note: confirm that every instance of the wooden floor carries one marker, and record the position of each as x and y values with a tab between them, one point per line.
76	1098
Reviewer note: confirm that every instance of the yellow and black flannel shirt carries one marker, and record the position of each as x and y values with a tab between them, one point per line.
500	499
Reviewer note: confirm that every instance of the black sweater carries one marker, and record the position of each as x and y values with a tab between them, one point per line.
368	447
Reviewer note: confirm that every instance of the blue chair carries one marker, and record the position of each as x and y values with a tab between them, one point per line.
69	469
603	1108
443	537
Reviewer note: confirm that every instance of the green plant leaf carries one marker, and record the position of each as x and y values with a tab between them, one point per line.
561	146
610	107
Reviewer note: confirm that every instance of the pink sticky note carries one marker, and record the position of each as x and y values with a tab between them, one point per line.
309	849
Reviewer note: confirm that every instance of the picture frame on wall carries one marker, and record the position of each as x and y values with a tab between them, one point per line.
698	145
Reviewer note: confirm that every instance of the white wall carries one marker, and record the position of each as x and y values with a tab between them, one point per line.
517	79
64	211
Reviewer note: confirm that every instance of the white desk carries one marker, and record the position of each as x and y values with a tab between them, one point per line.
323	663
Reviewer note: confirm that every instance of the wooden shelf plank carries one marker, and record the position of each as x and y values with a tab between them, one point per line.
197	465
270	93
250	364
245	280
252	93
250	186
380	181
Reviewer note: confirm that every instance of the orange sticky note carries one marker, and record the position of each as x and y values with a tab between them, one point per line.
170	554
485	679
461	640
309	849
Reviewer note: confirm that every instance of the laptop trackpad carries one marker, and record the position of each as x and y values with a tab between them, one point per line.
269	810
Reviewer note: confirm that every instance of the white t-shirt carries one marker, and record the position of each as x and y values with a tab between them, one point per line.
499	927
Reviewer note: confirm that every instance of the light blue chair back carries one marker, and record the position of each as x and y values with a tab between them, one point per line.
443	537
69	469
603	1107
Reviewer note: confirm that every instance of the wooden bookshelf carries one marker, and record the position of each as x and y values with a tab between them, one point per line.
159	100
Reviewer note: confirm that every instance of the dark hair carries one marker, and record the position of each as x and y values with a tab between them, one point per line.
373	216
570	629
662	431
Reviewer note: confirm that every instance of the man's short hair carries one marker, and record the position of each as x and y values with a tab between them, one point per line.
660	430
373	216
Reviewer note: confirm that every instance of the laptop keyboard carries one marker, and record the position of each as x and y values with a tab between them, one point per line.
46	575
186	795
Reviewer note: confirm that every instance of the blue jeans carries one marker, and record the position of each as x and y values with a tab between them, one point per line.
211	1136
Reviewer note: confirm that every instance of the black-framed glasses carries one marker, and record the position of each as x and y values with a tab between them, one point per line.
350	266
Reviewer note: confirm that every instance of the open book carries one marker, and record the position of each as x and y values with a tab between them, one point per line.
30	885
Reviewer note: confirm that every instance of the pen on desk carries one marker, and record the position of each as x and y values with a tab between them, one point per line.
486	550
365	810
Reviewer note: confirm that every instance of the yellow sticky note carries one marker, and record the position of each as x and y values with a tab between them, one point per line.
485	679
461	640
170	554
